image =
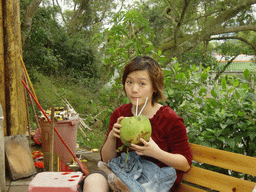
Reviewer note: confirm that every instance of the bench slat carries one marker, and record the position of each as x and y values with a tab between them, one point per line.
217	181
224	159
187	188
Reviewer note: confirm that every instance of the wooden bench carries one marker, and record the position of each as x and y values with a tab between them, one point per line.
198	179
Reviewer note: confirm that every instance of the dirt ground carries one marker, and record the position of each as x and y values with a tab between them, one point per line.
92	160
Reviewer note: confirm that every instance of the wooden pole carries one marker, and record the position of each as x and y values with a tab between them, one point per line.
2	64
10	69
2	102
15	103
21	97
52	138
2	156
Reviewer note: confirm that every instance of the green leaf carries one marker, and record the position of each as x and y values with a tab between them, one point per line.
177	68
221	139
213	93
195	68
236	83
188	74
218	133
240	113
247	73
210	130
163	59
237	94
202	90
223	126
212	101
231	143
170	92
252	136
159	53
180	76
224	83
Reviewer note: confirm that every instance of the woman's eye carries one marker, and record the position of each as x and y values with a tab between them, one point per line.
142	83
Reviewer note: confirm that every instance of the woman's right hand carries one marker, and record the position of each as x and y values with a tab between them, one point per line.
115	132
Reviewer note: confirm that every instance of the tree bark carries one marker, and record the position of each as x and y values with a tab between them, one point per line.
30	11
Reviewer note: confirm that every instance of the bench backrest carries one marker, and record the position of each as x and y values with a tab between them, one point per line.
198	178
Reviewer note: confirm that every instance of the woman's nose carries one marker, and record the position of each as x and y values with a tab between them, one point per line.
135	88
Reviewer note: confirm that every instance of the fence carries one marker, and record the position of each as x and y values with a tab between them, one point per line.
239	66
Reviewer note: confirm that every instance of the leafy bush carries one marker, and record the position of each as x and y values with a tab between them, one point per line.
220	115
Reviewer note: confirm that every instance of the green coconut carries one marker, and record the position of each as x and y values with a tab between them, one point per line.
134	128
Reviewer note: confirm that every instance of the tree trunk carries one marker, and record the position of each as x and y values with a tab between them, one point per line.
30	11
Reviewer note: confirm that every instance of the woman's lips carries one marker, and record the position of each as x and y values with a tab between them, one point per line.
135	98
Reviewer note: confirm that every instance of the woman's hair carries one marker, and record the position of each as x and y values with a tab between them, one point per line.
154	71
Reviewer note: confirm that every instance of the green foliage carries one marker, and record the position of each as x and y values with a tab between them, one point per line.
91	142
50	50
220	115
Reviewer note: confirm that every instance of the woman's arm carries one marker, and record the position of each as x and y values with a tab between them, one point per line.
151	149
177	161
108	151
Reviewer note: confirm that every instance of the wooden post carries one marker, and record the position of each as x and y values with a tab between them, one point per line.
2	75
14	101
52	138
2	157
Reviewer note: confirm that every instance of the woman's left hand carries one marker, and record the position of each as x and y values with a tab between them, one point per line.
149	148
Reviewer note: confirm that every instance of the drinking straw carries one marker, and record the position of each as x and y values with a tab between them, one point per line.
137	106
143	106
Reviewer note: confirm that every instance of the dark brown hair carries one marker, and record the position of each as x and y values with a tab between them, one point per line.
154	71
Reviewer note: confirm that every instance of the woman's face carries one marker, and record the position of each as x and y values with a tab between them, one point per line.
138	85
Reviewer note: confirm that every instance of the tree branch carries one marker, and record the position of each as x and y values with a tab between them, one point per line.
26	25
77	13
63	18
222	30
212	26
235	37
166	14
180	21
225	67
231	12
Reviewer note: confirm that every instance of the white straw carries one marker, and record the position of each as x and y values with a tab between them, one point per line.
143	106
137	106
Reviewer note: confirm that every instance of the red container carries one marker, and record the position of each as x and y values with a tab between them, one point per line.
68	131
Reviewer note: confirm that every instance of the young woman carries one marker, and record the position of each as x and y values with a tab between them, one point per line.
168	146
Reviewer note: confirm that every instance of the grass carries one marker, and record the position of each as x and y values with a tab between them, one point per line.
94	139
81	95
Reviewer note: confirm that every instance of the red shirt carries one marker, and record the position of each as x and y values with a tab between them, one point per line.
168	131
